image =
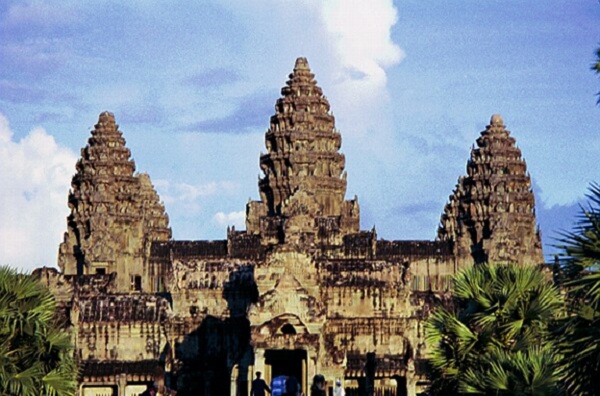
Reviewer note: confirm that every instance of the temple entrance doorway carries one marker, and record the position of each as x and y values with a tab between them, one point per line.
291	363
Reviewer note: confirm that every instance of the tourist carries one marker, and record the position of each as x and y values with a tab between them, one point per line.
278	385
292	387
318	386
259	386
339	389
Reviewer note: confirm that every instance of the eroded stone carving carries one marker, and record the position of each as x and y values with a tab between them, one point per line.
303	179
491	213
115	214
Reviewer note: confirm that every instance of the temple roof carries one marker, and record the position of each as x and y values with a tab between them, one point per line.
108	200
494	202
303	145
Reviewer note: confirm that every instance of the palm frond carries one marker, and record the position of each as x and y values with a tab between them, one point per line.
35	351
497	341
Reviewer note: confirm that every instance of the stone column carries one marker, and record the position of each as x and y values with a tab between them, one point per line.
233	388
121	384
411	378
259	365
411	385
268	374
304	381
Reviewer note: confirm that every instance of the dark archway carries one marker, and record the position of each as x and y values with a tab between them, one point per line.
287	362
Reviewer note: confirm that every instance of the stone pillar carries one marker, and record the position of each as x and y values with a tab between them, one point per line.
411	384
411	378
268	373
121	384
259	361
233	388
304	380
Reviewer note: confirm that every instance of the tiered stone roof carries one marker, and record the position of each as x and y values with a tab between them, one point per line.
156	220
113	211
491	212
303	145
304	181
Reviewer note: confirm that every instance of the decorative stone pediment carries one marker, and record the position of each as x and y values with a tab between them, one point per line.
287	297
286	324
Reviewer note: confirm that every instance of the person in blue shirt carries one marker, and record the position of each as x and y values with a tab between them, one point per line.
259	386
278	385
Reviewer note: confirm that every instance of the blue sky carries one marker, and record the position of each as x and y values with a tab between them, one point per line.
411	83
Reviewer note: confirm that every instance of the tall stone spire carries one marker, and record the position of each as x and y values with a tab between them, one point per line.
114	213
303	169
302	147
491	213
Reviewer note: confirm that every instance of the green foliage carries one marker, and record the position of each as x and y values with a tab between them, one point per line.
496	339
35	351
580	331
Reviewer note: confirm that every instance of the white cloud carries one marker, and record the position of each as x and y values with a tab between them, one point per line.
360	31
237	219
186	197
347	42
362	51
35	175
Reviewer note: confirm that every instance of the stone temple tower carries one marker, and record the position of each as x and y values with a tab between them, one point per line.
304	181
115	215
491	213
302	291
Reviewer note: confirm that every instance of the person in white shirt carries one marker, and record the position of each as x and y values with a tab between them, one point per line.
338	390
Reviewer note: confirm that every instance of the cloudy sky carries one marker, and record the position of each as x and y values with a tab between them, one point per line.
411	83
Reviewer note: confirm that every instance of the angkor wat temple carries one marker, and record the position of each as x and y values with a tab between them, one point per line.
303	290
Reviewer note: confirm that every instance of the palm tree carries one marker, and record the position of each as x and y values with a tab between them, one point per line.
580	332
495	337
35	351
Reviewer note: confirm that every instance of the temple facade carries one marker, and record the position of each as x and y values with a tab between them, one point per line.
303	290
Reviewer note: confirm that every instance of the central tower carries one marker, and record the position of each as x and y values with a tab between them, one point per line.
304	183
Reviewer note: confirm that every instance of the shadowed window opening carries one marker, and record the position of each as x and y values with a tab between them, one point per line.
136	283
288	329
